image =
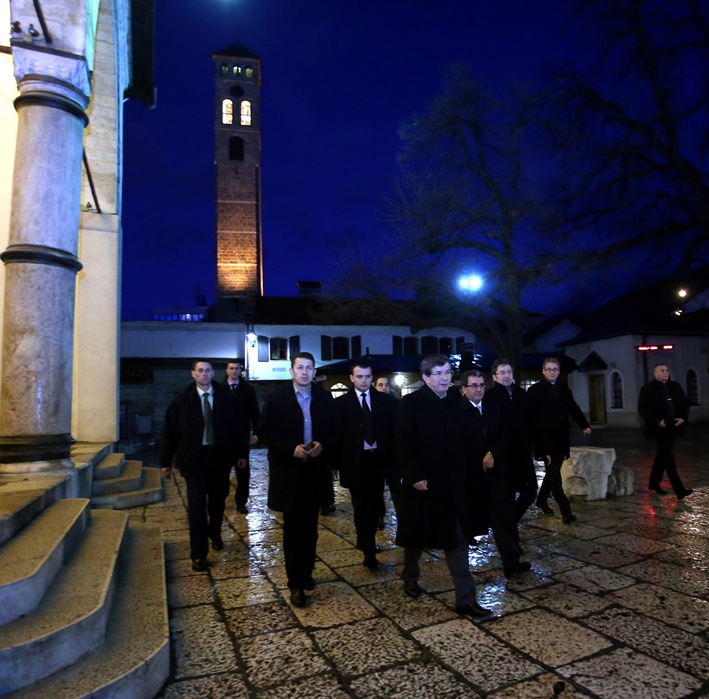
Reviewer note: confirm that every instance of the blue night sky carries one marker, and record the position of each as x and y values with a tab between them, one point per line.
338	78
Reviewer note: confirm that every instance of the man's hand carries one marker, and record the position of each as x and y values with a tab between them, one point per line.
300	452
241	463
587	431
254	439
679	421
488	461
662	424
315	450
166	473
547	460
421	485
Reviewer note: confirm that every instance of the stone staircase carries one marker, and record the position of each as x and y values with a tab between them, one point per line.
118	484
83	603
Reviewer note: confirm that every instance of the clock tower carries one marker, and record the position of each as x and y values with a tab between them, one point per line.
237	157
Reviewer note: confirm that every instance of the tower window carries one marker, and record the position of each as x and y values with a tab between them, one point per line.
225	69
227	111
236	148
249	72
237	70
245	113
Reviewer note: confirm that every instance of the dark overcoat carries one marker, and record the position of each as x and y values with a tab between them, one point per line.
282	429
652	406
249	403
183	429
515	413
350	455
430	445
551	406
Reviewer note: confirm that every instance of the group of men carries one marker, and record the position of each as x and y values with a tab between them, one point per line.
458	462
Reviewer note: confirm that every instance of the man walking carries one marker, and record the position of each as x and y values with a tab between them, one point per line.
551	404
366	454
513	402
204	435
664	407
244	391
438	483
300	428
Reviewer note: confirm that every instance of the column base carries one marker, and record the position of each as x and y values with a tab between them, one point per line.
37	448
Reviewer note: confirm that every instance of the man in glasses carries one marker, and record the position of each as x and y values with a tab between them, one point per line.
551	404
513	402
438	483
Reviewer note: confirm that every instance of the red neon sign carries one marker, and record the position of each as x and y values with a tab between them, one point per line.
650	348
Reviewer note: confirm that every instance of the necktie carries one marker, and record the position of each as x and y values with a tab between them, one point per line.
233	386
368	429
208	422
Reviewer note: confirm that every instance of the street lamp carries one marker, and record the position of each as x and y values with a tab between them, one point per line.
470	282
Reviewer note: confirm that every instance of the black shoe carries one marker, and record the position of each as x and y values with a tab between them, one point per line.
658	490
371	562
241	509
412	589
199	565
683	495
218	544
309	584
544	508
327	510
473	609
297	597
517	568
569	518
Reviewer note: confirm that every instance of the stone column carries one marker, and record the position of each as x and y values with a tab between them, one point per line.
41	260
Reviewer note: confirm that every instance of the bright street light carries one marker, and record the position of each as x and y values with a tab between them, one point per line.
472	282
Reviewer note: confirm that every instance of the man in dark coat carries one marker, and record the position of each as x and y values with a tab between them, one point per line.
436	503
247	396
488	438
300	428
204	435
551	404
513	401
366	456
665	408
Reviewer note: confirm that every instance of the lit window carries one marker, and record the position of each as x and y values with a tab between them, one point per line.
225	69
237	70
249	72
228	112
245	113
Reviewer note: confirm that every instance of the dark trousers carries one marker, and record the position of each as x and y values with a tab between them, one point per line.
552	483
665	461
300	530
458	566
207	491
366	502
522	480
243	478
502	515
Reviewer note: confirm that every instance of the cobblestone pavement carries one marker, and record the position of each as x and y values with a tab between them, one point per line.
616	604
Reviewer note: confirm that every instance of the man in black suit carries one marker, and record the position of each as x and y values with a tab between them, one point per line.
300	428
439	484
488	437
246	394
513	402
551	404
665	408
366	454
204	435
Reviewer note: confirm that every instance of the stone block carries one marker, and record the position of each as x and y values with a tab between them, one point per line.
586	472
620	482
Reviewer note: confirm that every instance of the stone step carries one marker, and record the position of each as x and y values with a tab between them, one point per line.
134	660
130	479
71	619
22	499
111	466
30	561
152	491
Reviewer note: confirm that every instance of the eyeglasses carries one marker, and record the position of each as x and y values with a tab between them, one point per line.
438	374
506	372
475	385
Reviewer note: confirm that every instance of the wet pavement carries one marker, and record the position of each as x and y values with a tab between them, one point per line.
616	604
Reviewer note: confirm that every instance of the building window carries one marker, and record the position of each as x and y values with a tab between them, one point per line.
245	113
692	387
397	345
237	70
278	348
616	391
445	345
227	111
429	345
411	345
263	354
338	389
293	345
340	347
225	69
249	72
357	346
236	148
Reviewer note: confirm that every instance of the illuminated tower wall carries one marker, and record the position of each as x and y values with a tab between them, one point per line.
237	156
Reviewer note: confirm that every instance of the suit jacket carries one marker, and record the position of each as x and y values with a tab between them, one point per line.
652	406
183	429
551	406
249	403
431	445
484	433
351	417
515	413
282	429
